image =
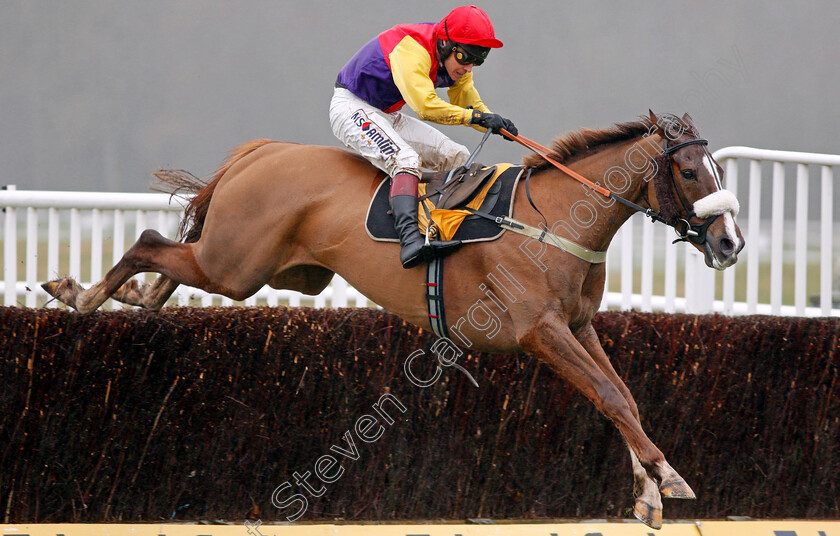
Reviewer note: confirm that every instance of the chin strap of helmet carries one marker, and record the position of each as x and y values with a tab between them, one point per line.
444	46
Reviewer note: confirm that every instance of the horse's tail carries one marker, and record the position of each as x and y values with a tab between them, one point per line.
183	183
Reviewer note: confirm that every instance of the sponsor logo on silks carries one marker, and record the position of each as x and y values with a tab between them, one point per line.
372	136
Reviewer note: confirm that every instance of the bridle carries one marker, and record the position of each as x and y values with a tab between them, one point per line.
686	231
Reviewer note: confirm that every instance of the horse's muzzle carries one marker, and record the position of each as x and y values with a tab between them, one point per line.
722	252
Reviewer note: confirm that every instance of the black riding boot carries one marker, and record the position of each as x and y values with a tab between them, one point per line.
405	222
404	201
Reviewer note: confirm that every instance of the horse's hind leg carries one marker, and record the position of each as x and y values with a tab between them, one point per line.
147	295
151	253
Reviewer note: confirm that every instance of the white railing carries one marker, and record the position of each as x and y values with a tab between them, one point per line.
646	272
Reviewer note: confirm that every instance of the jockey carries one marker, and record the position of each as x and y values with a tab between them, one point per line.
401	66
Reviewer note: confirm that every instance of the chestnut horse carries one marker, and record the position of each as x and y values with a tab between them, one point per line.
291	216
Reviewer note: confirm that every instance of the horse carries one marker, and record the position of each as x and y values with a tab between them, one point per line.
291	215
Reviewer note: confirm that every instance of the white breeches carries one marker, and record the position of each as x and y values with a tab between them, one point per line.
393	142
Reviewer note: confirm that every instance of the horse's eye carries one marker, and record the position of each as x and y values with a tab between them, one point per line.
689	174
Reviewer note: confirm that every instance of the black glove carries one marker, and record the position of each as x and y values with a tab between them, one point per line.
494	122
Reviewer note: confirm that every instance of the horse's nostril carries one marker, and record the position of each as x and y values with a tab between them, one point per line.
727	247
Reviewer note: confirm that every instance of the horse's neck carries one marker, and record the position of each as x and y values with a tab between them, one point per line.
588	217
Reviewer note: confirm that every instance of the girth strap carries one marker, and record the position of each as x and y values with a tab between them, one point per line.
434	298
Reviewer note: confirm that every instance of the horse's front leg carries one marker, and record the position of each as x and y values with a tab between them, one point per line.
648	501
551	340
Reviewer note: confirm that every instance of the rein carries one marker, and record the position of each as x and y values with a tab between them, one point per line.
686	231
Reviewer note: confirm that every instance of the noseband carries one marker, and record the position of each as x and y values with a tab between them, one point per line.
687	231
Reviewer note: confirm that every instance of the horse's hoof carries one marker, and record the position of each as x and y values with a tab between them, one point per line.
51	287
64	290
676	489
647	514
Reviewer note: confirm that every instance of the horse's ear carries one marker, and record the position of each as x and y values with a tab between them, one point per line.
690	124
655	122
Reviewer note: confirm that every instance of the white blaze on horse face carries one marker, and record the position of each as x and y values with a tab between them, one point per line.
729	225
709	164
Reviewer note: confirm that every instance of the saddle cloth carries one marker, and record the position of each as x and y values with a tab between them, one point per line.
495	197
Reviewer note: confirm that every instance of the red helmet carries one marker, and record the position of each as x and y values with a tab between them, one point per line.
468	25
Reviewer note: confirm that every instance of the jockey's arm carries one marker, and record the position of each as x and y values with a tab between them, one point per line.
463	93
410	66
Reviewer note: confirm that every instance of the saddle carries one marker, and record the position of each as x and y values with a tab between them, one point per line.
452	189
489	190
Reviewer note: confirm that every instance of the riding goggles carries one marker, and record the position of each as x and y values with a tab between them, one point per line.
475	57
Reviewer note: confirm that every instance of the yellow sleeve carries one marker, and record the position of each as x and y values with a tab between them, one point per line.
463	93
410	66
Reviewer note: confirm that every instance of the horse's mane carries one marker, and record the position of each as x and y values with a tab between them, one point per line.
585	141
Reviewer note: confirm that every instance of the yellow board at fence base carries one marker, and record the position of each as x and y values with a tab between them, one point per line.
698	528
